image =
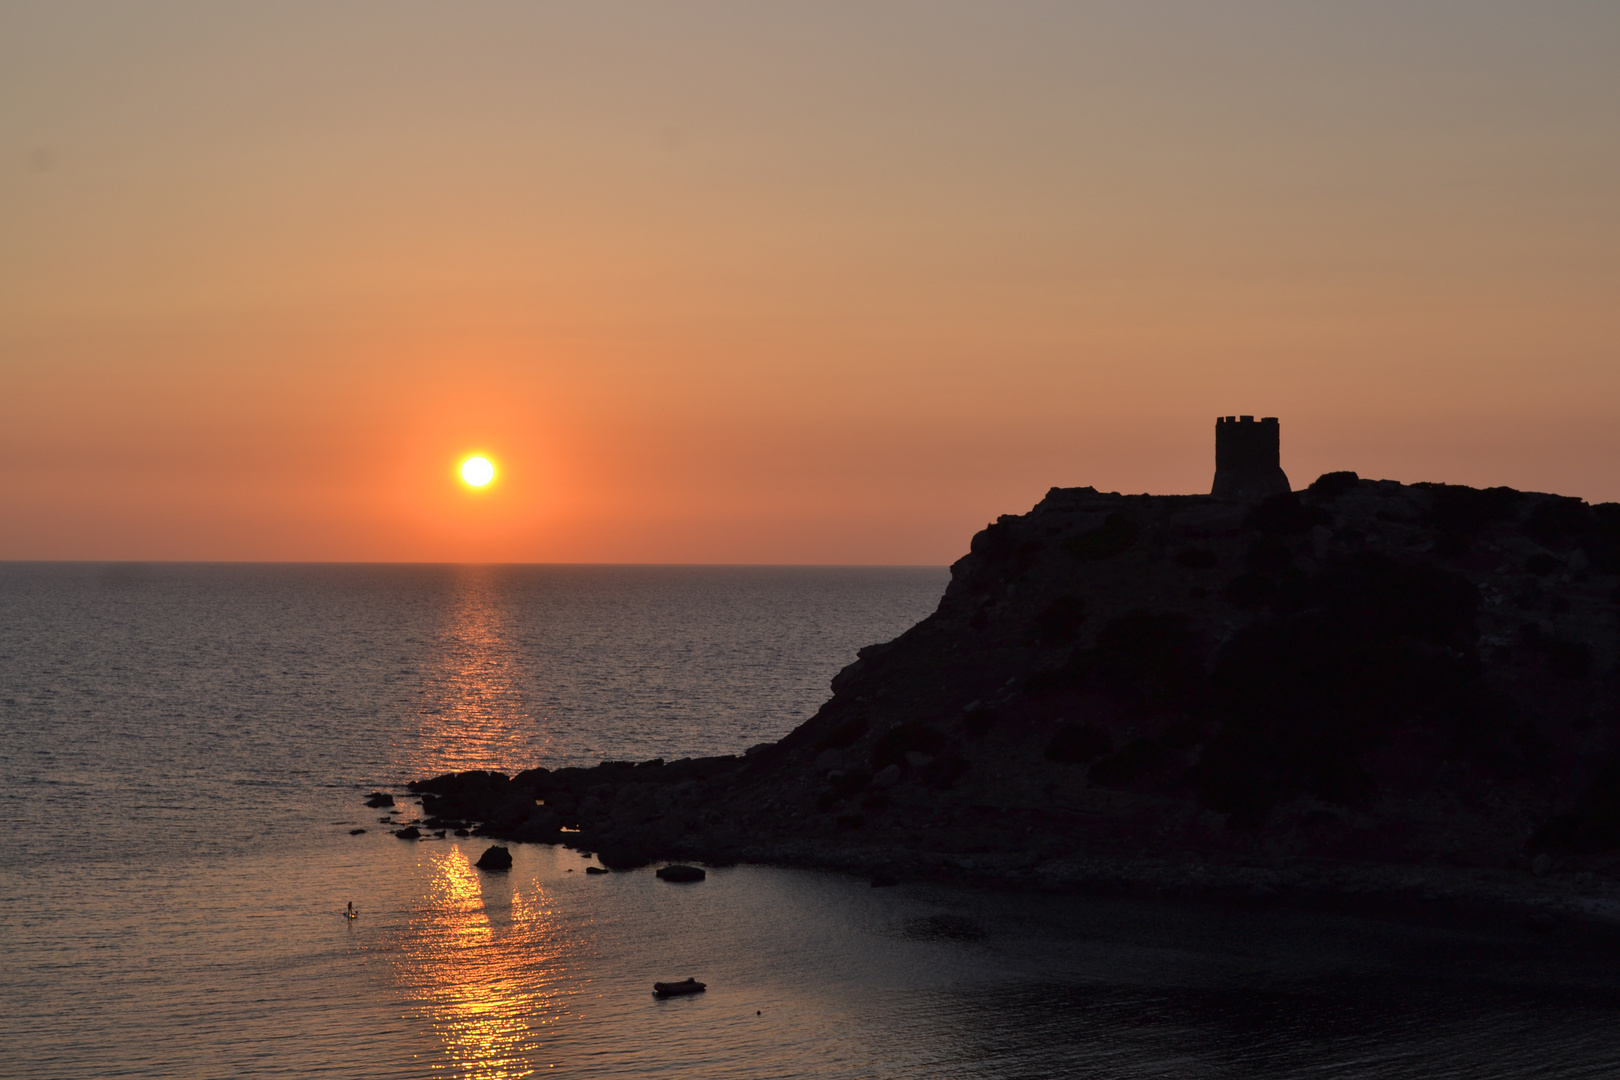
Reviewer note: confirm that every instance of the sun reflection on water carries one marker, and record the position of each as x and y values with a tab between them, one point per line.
485	964
473	711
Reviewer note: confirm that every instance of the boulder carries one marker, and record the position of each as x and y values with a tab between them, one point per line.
496	857
379	798
533	779
596	870
888	776
679	873
409	832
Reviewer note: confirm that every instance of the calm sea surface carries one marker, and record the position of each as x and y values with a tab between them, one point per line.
182	754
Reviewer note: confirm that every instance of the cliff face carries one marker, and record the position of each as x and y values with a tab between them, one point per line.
1363	672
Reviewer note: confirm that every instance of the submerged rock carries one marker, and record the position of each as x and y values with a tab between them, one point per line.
680	873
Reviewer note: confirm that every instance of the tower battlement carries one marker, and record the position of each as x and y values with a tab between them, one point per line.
1248	458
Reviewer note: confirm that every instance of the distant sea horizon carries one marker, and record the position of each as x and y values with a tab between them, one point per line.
375	562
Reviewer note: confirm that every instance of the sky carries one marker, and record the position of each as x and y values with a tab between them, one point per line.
780	283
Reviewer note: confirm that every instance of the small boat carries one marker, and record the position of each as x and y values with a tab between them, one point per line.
676	989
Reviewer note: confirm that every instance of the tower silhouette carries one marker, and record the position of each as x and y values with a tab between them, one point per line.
1248	458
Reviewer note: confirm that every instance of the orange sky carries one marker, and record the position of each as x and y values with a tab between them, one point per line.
758	283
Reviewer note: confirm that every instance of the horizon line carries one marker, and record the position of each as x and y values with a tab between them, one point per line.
384	562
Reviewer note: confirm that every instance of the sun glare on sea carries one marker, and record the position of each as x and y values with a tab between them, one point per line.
477	471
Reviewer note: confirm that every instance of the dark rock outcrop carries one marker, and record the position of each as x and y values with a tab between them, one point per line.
1361	674
379	798
679	872
495	857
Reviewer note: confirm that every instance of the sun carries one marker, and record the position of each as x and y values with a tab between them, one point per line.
477	471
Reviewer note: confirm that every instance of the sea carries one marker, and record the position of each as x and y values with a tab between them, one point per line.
184	751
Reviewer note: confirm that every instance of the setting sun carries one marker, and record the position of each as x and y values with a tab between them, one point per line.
477	471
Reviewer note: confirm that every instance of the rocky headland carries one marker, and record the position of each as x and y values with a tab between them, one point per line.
1364	687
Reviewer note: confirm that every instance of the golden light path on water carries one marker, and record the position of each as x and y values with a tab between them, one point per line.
483	962
486	967
473	712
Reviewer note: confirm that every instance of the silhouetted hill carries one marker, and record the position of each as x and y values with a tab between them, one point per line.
1181	688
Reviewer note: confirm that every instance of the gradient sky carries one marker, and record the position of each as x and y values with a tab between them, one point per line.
757	282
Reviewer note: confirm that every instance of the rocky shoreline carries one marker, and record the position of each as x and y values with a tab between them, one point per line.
1543	896
1364	693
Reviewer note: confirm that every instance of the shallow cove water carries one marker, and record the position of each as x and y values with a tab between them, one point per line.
185	749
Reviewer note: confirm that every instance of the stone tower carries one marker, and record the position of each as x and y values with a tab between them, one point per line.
1248	458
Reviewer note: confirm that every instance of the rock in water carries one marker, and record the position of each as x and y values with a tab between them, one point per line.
409	832
379	798
677	872
495	858
596	870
